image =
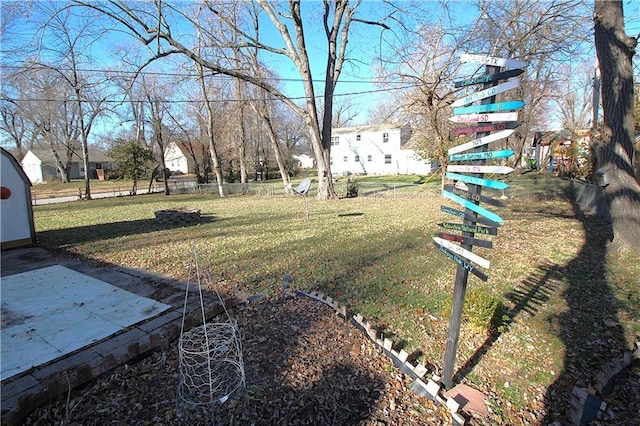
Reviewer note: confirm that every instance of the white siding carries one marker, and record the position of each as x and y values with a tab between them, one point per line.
374	150
175	160
32	167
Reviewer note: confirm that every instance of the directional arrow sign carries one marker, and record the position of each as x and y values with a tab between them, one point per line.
489	78
492	60
463	252
466	240
481	141
471	206
470	156
469	228
463	192
500	88
484	118
479	169
500	106
493	184
469	217
485	128
462	262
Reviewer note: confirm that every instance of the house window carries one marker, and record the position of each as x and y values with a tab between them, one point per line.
387	159
335	140
345	158
385	137
369	157
356	159
358	138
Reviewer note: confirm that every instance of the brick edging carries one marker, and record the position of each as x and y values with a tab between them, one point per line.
431	388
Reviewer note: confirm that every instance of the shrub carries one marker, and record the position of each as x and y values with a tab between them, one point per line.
481	310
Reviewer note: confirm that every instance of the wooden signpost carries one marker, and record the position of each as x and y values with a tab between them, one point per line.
492	91
504	153
500	106
481	141
493	125
488	127
489	78
484	118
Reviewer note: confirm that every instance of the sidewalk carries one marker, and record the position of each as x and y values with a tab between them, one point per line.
44	201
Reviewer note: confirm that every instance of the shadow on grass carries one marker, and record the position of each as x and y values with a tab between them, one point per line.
589	343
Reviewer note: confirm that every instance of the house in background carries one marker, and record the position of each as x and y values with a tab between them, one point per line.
16	214
39	165
177	160
304	161
384	149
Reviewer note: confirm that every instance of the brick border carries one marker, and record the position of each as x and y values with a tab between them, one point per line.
430	388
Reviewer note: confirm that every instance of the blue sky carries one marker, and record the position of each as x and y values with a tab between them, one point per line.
358	75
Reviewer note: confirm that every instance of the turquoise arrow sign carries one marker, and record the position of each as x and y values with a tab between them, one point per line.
469	217
471	206
470	156
493	184
500	106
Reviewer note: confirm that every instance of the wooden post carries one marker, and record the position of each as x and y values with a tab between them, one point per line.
462	275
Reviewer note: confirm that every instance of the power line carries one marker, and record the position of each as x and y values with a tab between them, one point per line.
186	75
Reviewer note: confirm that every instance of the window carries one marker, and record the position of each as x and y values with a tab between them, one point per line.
387	159
369	157
345	158
335	140
385	137
356	159
358	138
331	161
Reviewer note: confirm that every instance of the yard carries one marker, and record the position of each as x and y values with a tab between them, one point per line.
557	307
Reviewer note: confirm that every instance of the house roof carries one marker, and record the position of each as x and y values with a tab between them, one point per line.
95	156
367	128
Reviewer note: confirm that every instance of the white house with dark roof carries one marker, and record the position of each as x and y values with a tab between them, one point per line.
39	165
383	149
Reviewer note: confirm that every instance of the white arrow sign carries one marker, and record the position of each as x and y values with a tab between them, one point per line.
481	141
462	252
492	60
485	118
479	169
500	88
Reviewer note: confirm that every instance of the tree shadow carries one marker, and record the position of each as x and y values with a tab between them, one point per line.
589	343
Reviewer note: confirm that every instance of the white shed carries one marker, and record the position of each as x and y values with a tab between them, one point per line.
16	213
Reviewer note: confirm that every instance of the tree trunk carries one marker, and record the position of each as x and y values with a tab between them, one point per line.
615	149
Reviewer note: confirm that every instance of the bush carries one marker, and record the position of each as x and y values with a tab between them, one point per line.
481	310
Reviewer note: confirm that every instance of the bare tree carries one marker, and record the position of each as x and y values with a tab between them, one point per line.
615	51
153	27
546	35
63	44
574	102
